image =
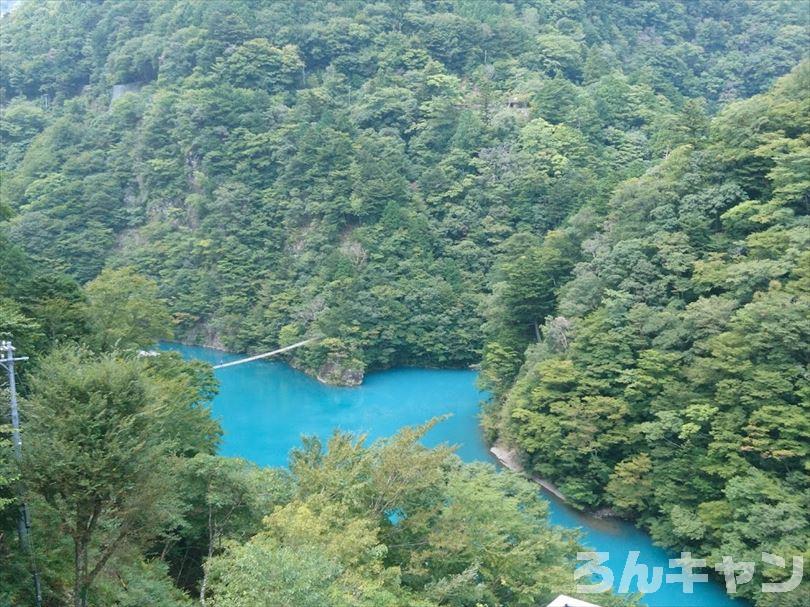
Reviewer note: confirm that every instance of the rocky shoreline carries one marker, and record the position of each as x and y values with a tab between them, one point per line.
510	458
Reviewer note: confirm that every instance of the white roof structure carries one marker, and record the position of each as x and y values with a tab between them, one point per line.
569	601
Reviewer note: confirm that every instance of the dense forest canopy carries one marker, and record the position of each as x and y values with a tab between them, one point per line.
671	380
349	169
605	204
132	507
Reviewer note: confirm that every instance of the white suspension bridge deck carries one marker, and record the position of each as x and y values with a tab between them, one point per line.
267	354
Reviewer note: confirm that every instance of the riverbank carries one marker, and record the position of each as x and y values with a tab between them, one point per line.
338	370
510	458
265	406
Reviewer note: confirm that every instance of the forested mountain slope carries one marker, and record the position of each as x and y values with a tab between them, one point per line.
672	381
604	202
131	506
350	169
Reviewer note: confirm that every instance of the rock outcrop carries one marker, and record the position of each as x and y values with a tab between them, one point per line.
341	370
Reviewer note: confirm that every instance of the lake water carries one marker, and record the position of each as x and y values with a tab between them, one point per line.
264	408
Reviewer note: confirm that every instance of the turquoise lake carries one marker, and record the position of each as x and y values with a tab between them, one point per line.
265	407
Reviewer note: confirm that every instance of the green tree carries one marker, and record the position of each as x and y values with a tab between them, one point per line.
7	473
531	275
394	523
228	498
682	348
99	457
259	64
126	311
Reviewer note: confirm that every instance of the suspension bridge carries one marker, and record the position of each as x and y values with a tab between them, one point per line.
267	354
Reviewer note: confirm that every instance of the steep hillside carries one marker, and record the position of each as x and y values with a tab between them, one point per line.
672	380
346	168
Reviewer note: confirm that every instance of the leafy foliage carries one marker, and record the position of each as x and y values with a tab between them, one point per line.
397	524
103	437
125	310
351	169
679	393
573	193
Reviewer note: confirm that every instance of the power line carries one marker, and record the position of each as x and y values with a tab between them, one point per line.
24	520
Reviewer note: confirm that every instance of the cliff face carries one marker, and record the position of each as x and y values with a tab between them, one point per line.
341	370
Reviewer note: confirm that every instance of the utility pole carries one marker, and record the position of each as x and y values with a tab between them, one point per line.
24	522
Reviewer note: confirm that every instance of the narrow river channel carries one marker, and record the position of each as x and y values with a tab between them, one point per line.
265	407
